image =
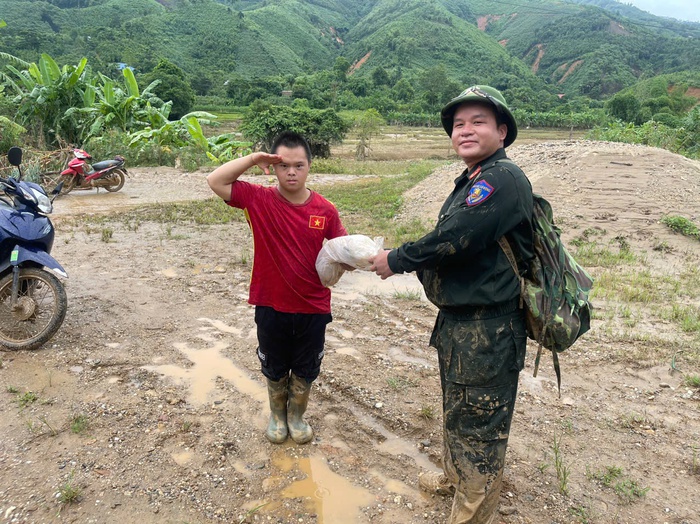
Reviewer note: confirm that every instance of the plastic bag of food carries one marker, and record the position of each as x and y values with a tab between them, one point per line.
353	250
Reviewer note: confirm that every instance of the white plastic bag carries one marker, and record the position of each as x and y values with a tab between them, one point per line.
353	250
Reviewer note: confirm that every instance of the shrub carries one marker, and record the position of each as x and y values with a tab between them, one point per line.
320	127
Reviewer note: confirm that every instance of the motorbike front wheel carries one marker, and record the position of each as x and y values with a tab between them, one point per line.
115	180
39	312
52	178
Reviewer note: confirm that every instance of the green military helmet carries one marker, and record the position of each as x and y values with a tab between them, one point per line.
482	94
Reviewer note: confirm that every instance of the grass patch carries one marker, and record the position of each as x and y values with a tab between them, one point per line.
581	513
45	421
634	420
634	285
27	399
68	492
681	225
427	413
687	317
400	383
344	166
559	466
380	197
212	211
79	423
370	205
613	477
692	381
107	234
228	117
634	295
408	294
593	254
251	512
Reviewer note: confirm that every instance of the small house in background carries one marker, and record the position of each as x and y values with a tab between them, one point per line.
287	92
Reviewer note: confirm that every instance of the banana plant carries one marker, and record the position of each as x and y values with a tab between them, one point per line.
225	147
188	131
177	133
219	148
9	80
109	104
75	105
45	93
12	126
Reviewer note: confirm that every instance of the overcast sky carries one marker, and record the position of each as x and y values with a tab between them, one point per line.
680	9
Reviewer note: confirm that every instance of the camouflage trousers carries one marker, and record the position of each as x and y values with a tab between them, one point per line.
481	354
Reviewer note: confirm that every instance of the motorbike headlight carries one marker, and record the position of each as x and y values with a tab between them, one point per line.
43	202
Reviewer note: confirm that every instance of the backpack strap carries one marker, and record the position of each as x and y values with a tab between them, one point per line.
505	246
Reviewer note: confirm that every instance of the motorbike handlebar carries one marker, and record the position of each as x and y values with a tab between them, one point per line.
8	183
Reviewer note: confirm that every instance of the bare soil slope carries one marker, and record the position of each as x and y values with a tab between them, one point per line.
157	355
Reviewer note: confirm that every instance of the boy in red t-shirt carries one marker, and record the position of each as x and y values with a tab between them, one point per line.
292	308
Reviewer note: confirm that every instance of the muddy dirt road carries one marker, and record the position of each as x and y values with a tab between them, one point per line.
148	405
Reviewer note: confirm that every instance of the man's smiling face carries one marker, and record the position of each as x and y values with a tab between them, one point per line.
476	134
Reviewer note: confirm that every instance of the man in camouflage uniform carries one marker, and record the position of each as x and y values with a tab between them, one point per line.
480	331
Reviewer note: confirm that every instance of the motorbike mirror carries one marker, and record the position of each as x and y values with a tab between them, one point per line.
56	190
14	155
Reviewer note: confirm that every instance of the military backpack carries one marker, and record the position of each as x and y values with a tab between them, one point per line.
555	291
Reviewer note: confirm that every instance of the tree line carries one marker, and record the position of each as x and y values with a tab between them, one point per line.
154	116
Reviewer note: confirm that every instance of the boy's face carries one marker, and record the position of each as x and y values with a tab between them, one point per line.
292	171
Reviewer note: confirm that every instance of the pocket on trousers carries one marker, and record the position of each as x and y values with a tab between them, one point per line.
486	412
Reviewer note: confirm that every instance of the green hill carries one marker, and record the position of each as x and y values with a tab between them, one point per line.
416	35
584	49
587	47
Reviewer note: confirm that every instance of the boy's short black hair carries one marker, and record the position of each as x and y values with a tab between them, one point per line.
291	139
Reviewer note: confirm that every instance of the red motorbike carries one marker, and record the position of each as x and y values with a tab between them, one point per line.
79	174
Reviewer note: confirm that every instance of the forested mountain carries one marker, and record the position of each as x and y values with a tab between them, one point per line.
583	47
592	51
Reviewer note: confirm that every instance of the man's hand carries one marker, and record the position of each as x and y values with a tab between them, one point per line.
380	264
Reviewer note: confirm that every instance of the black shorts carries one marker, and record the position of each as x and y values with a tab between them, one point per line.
290	342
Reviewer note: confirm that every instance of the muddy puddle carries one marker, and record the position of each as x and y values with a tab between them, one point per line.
325	493
80	202
143	186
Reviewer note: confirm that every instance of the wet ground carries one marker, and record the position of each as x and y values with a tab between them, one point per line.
157	359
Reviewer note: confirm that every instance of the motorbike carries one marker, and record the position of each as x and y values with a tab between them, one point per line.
79	174
33	300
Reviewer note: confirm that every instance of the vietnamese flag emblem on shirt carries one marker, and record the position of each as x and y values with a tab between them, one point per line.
317	222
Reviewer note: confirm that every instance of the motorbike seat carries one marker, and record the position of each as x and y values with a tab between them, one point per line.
104	164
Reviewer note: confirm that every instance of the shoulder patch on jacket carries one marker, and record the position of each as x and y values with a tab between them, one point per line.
478	193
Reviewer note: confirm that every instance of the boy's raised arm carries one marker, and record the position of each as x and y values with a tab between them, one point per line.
221	179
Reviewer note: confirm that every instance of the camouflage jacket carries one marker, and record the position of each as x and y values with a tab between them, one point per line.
460	263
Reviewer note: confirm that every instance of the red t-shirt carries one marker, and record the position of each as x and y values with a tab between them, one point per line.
287	238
